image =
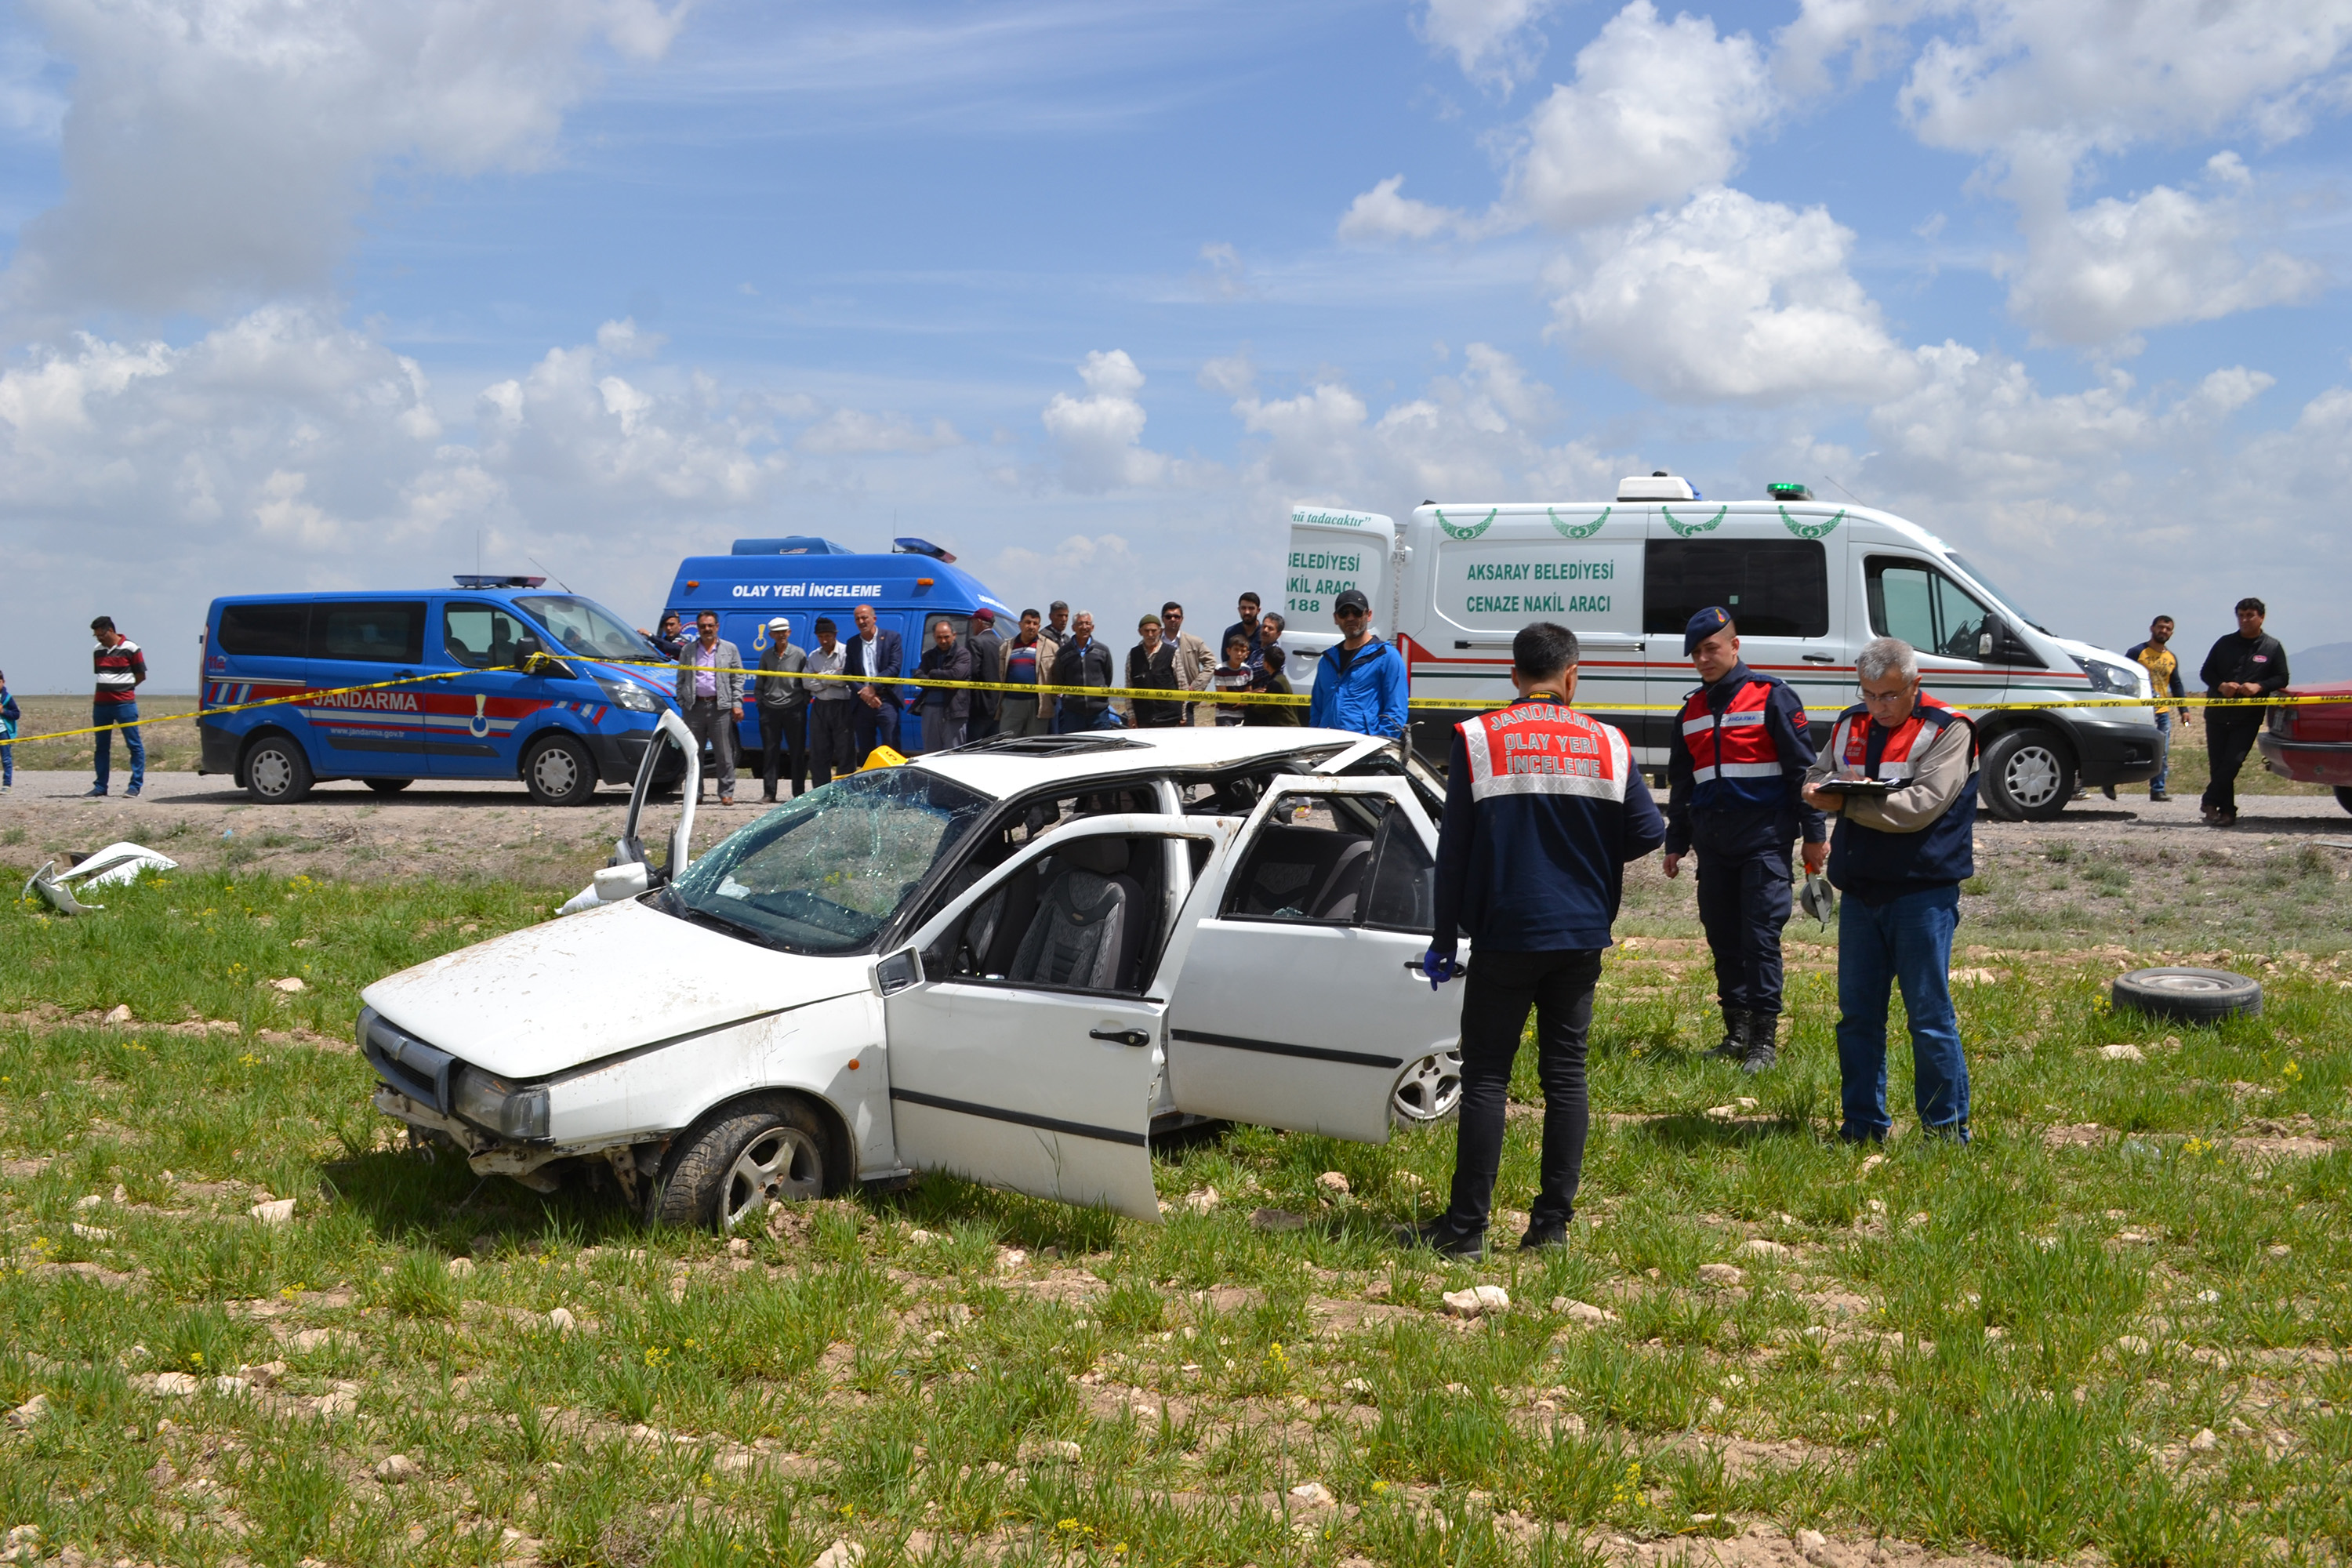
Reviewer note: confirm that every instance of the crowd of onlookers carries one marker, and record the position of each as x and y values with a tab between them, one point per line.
812	732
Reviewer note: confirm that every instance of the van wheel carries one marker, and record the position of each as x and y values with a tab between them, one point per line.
389	786
277	772
2028	774
2344	797
559	772
728	1172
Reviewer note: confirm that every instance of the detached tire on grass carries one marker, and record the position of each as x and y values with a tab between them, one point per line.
728	1169
2189	995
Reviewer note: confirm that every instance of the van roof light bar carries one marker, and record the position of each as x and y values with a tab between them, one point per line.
1789	489
496	580
912	546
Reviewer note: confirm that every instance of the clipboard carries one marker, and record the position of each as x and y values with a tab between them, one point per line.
1859	789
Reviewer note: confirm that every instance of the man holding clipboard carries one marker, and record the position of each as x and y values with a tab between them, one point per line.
1899	779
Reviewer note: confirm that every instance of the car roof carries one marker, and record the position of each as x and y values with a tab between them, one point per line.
1007	765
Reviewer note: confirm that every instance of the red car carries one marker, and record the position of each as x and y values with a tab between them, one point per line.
2313	741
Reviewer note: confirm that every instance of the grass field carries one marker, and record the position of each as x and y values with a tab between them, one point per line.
2115	1321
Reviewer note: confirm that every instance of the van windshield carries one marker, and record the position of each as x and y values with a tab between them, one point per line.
1989	586
583	626
827	871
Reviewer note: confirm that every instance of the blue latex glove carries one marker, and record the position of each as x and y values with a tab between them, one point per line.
1440	967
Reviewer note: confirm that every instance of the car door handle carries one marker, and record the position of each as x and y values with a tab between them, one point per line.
1820	658
1138	1039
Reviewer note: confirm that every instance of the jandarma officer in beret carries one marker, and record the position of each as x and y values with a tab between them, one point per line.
1543	808
1735	769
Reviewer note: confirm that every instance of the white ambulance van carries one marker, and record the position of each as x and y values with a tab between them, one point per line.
1809	584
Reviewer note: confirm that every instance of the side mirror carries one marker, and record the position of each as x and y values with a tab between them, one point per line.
897	972
615	884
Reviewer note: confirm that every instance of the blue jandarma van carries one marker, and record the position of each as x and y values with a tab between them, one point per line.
799	578
561	725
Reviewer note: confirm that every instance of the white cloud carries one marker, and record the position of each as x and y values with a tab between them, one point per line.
2096	274
624	339
2102	74
853	430
1101	436
1657	110
1731	298
1233	374
1382	213
1494	41
1472	435
217	150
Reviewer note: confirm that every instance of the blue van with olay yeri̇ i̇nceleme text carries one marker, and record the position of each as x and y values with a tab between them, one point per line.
561	723
911	589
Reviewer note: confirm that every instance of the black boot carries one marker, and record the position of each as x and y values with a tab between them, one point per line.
1763	1049
1733	1046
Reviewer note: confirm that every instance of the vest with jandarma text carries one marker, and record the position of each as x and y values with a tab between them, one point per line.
1545	748
1735	762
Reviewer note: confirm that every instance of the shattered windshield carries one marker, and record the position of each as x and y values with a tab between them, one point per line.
825	872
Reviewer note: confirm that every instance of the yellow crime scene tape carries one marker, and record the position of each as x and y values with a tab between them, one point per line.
1098	693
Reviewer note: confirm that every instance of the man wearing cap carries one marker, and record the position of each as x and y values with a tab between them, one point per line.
1360	684
783	710
1736	766
1544	806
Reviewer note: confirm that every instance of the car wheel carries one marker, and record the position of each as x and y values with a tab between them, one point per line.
727	1171
2028	775
2189	995
277	772
1429	1090
2344	797
389	786
559	772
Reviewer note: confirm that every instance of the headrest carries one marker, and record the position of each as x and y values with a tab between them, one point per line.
1105	857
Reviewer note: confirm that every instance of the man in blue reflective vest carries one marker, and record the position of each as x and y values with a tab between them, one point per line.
1543	808
1736	766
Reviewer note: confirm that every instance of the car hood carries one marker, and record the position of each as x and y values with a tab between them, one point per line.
555	996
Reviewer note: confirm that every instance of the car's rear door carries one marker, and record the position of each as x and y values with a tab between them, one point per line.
1300	1005
1011	1078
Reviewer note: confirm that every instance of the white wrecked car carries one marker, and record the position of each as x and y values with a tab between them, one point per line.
1013	961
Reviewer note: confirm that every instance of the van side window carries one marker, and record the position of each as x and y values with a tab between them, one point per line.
389	631
1911	600
479	637
266	631
1773	587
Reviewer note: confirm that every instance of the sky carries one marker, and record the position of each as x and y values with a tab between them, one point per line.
355	293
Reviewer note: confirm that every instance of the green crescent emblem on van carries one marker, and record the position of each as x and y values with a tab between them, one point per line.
1812	529
1685	530
1457	530
1579	529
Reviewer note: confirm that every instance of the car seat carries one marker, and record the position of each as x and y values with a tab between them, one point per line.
1089	928
1303	873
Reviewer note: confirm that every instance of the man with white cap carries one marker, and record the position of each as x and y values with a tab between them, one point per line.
784	709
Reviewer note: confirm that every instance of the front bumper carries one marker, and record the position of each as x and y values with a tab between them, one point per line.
2111	751
2308	762
617	757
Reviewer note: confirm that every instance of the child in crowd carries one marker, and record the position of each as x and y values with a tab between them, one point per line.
1274	681
1234	674
9	715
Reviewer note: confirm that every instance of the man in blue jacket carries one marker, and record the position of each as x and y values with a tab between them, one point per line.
1360	684
1543	808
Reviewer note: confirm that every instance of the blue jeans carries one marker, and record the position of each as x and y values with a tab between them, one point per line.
109	714
2163	750
1907	943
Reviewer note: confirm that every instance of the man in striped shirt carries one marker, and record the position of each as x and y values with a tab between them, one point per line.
119	666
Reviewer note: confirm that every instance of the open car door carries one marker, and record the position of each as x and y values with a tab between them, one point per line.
1301	1004
1027	1021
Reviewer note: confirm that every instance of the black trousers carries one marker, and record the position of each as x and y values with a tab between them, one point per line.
1744	902
832	749
1500	990
783	738
2228	736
